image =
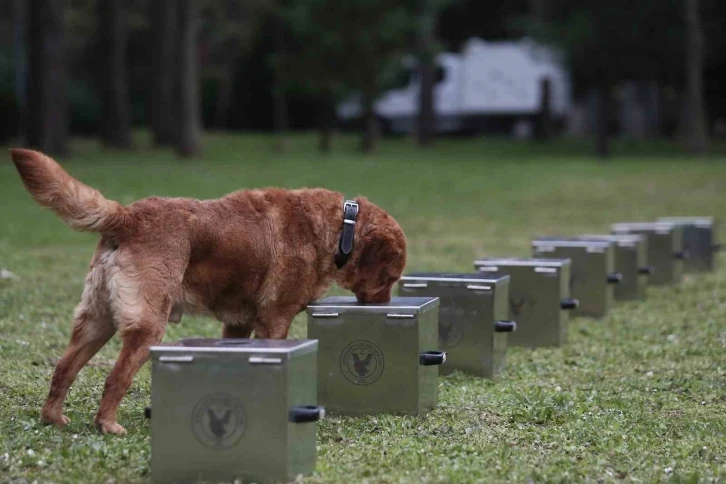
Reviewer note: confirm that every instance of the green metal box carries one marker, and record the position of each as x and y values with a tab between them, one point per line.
592	274
539	298
226	409
699	241
473	318
377	358
665	249
631	260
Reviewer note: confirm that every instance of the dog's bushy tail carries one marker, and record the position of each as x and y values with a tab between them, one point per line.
80	206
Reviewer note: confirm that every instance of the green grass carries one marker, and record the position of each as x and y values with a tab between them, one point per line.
639	395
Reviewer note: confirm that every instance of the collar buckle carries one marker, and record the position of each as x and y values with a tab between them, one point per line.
345	243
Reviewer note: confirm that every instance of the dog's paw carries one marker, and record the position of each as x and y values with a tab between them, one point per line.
110	428
58	421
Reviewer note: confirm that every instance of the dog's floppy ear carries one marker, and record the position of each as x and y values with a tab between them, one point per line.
377	252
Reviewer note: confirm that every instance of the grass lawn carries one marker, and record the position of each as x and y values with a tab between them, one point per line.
639	395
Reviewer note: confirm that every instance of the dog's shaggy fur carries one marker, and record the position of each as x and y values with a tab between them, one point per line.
252	259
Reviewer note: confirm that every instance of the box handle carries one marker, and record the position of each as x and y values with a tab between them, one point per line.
646	270
716	247
504	326
682	255
569	303
325	315
176	359
233	342
306	413
474	287
147	412
261	360
400	316
429	358
487	268
615	278
415	285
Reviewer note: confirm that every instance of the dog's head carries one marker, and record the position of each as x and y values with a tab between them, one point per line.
378	258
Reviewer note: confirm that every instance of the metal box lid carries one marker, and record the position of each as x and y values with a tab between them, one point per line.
703	222
464	278
287	348
524	262
625	227
622	240
350	305
544	242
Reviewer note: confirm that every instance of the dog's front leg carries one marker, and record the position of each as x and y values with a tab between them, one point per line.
236	331
274	323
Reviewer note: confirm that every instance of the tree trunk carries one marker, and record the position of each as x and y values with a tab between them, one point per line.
327	121
426	125
544	129
602	118
47	77
189	137
370	124
696	133
224	97
21	67
116	110
538	9
279	101
164	68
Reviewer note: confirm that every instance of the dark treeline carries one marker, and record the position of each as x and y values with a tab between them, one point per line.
104	67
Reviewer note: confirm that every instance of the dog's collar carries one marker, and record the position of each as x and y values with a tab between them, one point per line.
345	243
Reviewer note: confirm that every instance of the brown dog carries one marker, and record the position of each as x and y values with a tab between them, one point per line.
252	259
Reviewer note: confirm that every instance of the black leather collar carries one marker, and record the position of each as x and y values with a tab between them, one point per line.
345	243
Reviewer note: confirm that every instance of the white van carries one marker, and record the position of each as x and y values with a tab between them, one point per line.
490	86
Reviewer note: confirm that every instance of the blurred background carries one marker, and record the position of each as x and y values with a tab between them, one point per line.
519	69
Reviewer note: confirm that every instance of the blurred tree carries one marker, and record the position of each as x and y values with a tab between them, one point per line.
163	76
607	42
344	46
427	48
538	11
313	63
20	65
695	125
188	136
280	117
114	91
47	77
227	31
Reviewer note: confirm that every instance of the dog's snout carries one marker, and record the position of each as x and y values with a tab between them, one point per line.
382	296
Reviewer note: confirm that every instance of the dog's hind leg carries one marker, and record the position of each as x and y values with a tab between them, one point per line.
134	353
92	328
142	293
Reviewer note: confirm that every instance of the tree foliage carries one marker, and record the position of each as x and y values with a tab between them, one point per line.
606	42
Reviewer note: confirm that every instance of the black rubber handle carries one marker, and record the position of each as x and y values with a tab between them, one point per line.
569	303
681	255
716	247
505	326
147	412
306	413
615	278
646	270
428	358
